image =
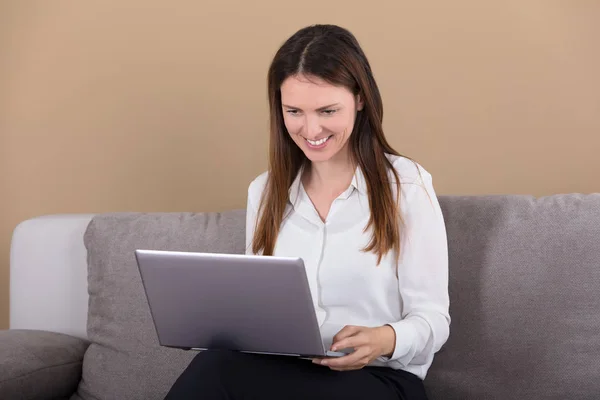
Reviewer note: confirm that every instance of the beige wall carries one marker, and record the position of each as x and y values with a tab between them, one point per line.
152	106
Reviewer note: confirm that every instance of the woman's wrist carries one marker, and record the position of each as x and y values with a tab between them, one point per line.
388	340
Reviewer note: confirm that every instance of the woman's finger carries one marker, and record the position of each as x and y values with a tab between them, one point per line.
346	331
358	365
350	342
348	360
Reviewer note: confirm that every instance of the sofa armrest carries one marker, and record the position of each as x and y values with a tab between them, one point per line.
39	364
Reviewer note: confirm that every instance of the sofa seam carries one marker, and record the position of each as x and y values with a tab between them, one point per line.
41	369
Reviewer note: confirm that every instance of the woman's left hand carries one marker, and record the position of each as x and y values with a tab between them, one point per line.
368	345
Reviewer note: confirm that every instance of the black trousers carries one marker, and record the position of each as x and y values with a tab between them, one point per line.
222	374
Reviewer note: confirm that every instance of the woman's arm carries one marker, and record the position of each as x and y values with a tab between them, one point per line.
422	276
255	190
250	221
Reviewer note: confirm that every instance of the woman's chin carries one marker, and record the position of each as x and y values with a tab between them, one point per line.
318	155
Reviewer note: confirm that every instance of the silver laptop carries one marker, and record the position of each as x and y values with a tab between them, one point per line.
248	303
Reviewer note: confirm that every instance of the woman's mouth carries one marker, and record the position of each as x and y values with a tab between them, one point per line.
318	144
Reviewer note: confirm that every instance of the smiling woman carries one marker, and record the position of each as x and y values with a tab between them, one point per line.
378	272
326	122
321	118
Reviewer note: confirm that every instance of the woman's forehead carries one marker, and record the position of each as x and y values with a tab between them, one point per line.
312	92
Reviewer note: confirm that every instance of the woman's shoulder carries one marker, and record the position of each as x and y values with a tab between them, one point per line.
257	187
408	170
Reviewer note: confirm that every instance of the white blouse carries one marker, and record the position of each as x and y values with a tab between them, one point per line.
348	287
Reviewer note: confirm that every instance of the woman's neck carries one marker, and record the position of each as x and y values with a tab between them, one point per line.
332	176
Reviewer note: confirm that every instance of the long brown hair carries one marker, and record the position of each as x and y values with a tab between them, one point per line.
333	54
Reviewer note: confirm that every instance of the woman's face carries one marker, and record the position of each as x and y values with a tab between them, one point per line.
319	116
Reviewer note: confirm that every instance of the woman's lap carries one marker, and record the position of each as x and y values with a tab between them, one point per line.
221	374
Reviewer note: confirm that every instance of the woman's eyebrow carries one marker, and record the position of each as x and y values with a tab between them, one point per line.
318	109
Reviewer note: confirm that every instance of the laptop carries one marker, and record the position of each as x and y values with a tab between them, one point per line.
247	303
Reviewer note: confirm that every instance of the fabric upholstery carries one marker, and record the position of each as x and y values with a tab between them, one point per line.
48	278
38	364
524	285
124	360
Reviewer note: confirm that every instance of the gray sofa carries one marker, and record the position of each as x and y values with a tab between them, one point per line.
524	289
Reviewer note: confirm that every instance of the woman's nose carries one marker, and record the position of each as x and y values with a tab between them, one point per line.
313	127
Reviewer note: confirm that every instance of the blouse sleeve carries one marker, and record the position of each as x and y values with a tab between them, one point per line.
255	190
422	275
251	214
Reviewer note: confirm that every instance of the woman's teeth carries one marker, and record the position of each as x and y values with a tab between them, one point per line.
318	142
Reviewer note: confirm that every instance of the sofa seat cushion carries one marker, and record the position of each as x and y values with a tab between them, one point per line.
124	360
39	364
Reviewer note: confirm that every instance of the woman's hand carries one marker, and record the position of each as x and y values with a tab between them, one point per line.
368	344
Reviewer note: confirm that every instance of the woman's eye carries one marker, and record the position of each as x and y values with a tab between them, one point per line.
297	112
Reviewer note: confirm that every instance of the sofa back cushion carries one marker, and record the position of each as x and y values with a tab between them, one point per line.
124	359
524	284
525	303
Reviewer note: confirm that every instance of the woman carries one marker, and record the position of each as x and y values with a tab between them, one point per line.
367	224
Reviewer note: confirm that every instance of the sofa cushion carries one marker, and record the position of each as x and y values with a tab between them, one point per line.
39	364
524	298
524	278
124	360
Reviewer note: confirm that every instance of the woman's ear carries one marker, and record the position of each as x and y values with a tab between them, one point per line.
359	103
